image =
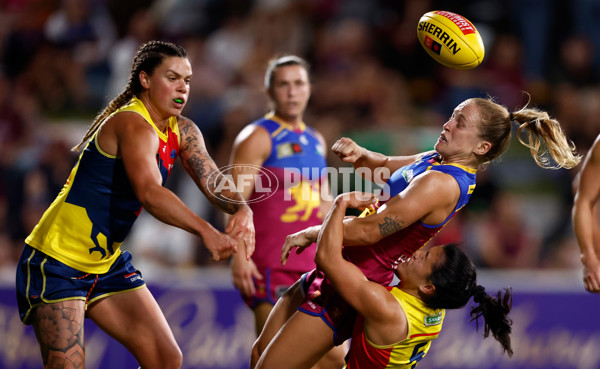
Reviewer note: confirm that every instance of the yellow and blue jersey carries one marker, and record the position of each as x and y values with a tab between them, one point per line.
93	213
424	325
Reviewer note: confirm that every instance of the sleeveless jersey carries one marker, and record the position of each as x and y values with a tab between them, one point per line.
288	201
95	210
378	261
424	325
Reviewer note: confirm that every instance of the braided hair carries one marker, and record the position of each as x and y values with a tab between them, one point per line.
455	281
149	56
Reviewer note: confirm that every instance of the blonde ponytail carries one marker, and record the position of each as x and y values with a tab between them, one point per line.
545	137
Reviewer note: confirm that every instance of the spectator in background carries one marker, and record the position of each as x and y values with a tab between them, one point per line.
504	239
141	29
80	34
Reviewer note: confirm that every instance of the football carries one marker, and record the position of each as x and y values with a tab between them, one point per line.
451	39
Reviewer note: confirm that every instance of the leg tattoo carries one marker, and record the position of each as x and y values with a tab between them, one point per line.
59	330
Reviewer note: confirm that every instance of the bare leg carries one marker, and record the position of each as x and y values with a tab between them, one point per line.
300	343
135	320
59	331
261	313
334	358
282	311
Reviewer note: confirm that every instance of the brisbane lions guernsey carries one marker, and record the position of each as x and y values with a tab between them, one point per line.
424	325
287	193
378	261
95	210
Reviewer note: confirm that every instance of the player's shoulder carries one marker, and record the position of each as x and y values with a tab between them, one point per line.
437	183
254	135
312	131
595	149
122	122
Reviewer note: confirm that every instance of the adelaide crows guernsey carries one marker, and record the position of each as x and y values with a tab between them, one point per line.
95	210
424	325
378	261
286	197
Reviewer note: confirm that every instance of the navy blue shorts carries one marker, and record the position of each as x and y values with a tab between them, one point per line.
42	279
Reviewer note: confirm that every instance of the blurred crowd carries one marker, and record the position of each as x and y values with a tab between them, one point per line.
61	61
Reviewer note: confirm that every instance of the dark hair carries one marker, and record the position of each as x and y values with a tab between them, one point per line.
282	62
455	281
149	56
545	134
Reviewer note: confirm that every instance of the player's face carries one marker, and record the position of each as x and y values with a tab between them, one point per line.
169	86
290	91
460	137
418	268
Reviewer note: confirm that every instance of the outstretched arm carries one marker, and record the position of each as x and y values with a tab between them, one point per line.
219	189
584	221
129	136
429	198
383	315
378	165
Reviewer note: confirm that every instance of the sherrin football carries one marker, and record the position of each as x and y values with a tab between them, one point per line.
451	39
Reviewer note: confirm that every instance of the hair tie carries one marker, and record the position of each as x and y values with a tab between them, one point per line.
511	117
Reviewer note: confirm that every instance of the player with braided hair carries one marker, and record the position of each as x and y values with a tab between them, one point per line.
72	265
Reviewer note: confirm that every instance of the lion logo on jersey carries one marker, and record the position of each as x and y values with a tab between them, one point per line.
306	198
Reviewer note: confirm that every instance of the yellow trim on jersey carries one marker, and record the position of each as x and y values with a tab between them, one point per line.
463	167
65	227
102	151
282	125
136	105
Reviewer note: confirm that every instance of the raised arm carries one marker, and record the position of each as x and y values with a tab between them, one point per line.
429	198
585	222
214	185
380	166
385	321
129	136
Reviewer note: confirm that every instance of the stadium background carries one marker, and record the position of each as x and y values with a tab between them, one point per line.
61	61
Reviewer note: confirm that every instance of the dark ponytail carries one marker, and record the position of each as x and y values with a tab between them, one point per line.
495	315
455	281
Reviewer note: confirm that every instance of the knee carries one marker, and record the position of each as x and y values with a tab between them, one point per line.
255	354
173	358
334	358
164	358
